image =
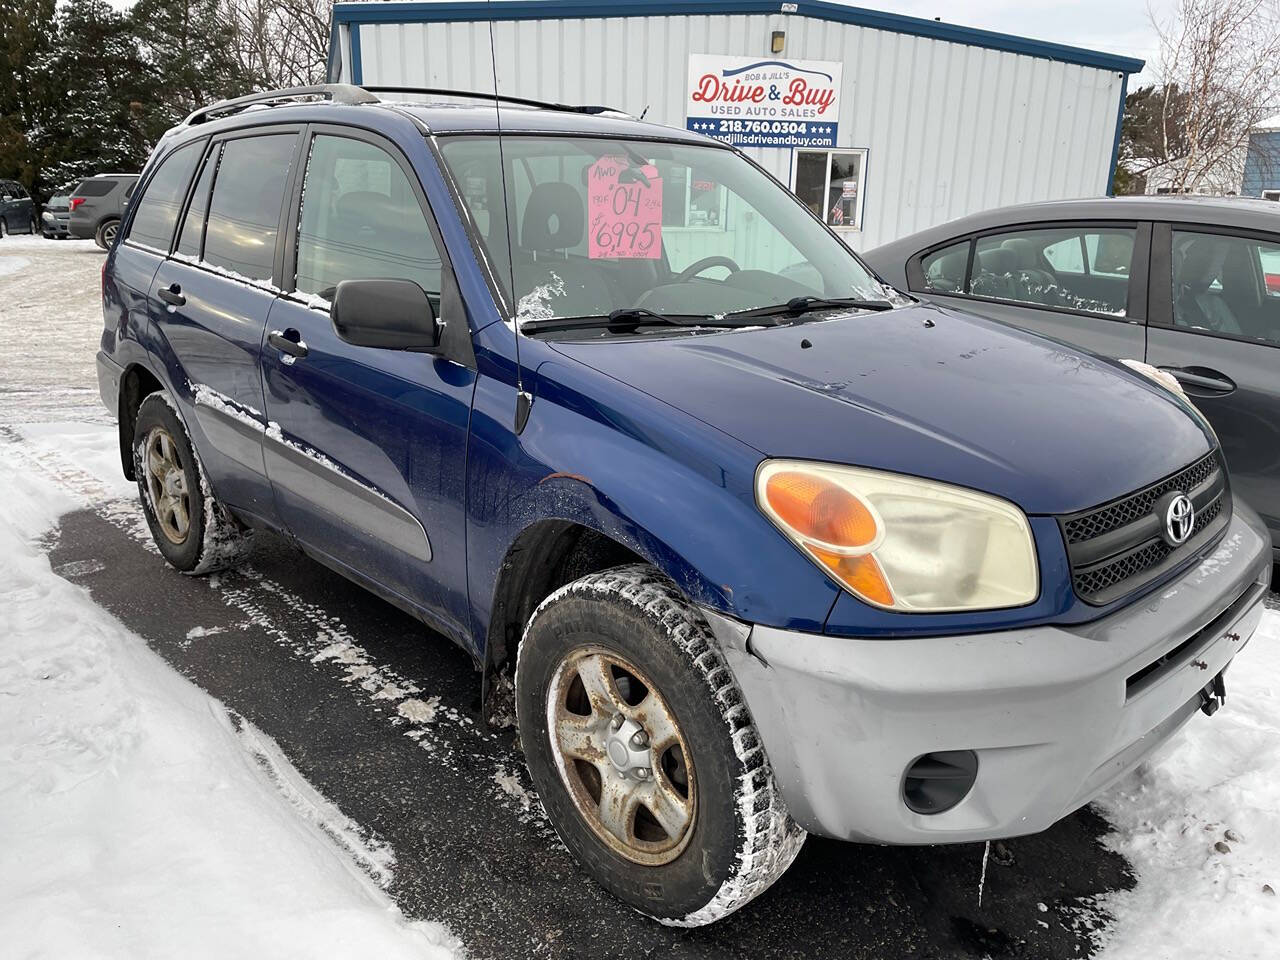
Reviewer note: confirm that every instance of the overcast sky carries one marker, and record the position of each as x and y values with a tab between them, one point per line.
1116	26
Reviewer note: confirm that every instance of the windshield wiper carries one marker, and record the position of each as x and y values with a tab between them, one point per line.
626	319
799	305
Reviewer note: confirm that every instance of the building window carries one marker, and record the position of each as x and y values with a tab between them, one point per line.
830	183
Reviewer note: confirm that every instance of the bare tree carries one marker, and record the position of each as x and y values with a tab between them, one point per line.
1219	70
281	43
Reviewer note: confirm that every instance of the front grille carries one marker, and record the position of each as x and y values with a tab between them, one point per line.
1135	507
1119	547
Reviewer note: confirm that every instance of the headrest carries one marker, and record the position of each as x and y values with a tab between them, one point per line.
997	260
554	218
1024	253
1202	263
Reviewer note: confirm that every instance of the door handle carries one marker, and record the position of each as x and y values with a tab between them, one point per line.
288	341
172	295
1202	378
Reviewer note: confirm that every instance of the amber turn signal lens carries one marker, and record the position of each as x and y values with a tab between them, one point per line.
819	509
862	574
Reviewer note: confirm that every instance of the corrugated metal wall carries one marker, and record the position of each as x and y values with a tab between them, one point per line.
950	128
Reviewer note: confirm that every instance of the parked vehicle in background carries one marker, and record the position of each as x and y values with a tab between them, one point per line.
17	211
748	543
55	219
1188	284
98	204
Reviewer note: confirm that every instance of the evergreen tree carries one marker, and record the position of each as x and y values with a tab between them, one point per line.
188	45
104	84
28	37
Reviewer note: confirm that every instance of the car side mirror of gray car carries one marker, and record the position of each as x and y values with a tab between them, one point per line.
392	314
6	198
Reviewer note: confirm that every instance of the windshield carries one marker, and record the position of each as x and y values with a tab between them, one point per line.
600	225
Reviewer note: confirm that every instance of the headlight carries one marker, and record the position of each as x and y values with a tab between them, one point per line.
900	542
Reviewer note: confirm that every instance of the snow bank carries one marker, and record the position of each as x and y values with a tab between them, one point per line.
1193	898
139	817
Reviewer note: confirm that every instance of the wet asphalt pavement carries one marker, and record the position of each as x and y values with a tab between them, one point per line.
303	654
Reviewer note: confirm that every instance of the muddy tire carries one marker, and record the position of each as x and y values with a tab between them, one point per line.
643	751
192	530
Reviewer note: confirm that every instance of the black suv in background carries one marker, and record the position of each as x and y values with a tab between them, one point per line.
98	204
17	212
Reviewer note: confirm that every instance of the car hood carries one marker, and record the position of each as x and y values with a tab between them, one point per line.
925	391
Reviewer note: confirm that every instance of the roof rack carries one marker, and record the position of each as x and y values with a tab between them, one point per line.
591	109
335	92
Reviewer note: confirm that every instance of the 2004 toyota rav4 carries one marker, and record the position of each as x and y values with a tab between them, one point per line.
761	545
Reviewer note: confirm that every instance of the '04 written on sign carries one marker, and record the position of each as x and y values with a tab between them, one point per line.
624	211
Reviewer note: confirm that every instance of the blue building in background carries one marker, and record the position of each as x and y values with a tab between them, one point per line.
1262	163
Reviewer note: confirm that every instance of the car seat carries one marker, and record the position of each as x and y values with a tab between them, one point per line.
1034	283
1194	305
549	281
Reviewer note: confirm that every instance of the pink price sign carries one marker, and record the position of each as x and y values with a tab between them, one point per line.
624	211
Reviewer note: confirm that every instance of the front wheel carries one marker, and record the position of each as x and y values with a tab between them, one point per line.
643	751
193	531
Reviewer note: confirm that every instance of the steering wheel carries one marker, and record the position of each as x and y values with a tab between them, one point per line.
706	263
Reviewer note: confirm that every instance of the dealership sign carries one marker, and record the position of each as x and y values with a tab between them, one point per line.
750	102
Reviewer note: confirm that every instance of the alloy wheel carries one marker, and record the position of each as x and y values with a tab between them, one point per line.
622	756
167	485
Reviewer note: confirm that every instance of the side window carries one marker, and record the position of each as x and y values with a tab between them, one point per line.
361	220
160	203
1054	268
1228	285
191	240
244	212
944	270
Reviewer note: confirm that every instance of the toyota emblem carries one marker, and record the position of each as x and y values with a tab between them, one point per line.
1179	519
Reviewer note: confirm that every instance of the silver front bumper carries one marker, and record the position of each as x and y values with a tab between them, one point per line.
1055	714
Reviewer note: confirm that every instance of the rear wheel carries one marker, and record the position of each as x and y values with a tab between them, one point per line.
193	531
643	751
106	234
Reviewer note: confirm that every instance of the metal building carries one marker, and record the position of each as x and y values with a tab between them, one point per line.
882	124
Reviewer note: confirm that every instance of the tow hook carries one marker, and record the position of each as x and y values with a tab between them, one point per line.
1213	696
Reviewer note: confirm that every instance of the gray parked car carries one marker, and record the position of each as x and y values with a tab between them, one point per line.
98	204
55	219
1190	285
17	213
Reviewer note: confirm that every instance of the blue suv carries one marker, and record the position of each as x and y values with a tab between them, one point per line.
748	543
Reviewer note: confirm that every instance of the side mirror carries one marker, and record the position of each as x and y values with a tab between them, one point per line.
393	314
6	198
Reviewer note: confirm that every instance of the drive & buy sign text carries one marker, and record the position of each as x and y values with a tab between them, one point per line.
764	103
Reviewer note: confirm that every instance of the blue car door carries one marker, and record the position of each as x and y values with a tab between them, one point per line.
213	296
366	447
133	308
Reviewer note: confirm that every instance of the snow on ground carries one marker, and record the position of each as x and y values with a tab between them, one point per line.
1201	826
139	817
136	812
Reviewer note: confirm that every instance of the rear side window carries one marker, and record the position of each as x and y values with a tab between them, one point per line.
191	240
1227	285
244	212
95	187
160	203
361	220
1062	268
944	270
